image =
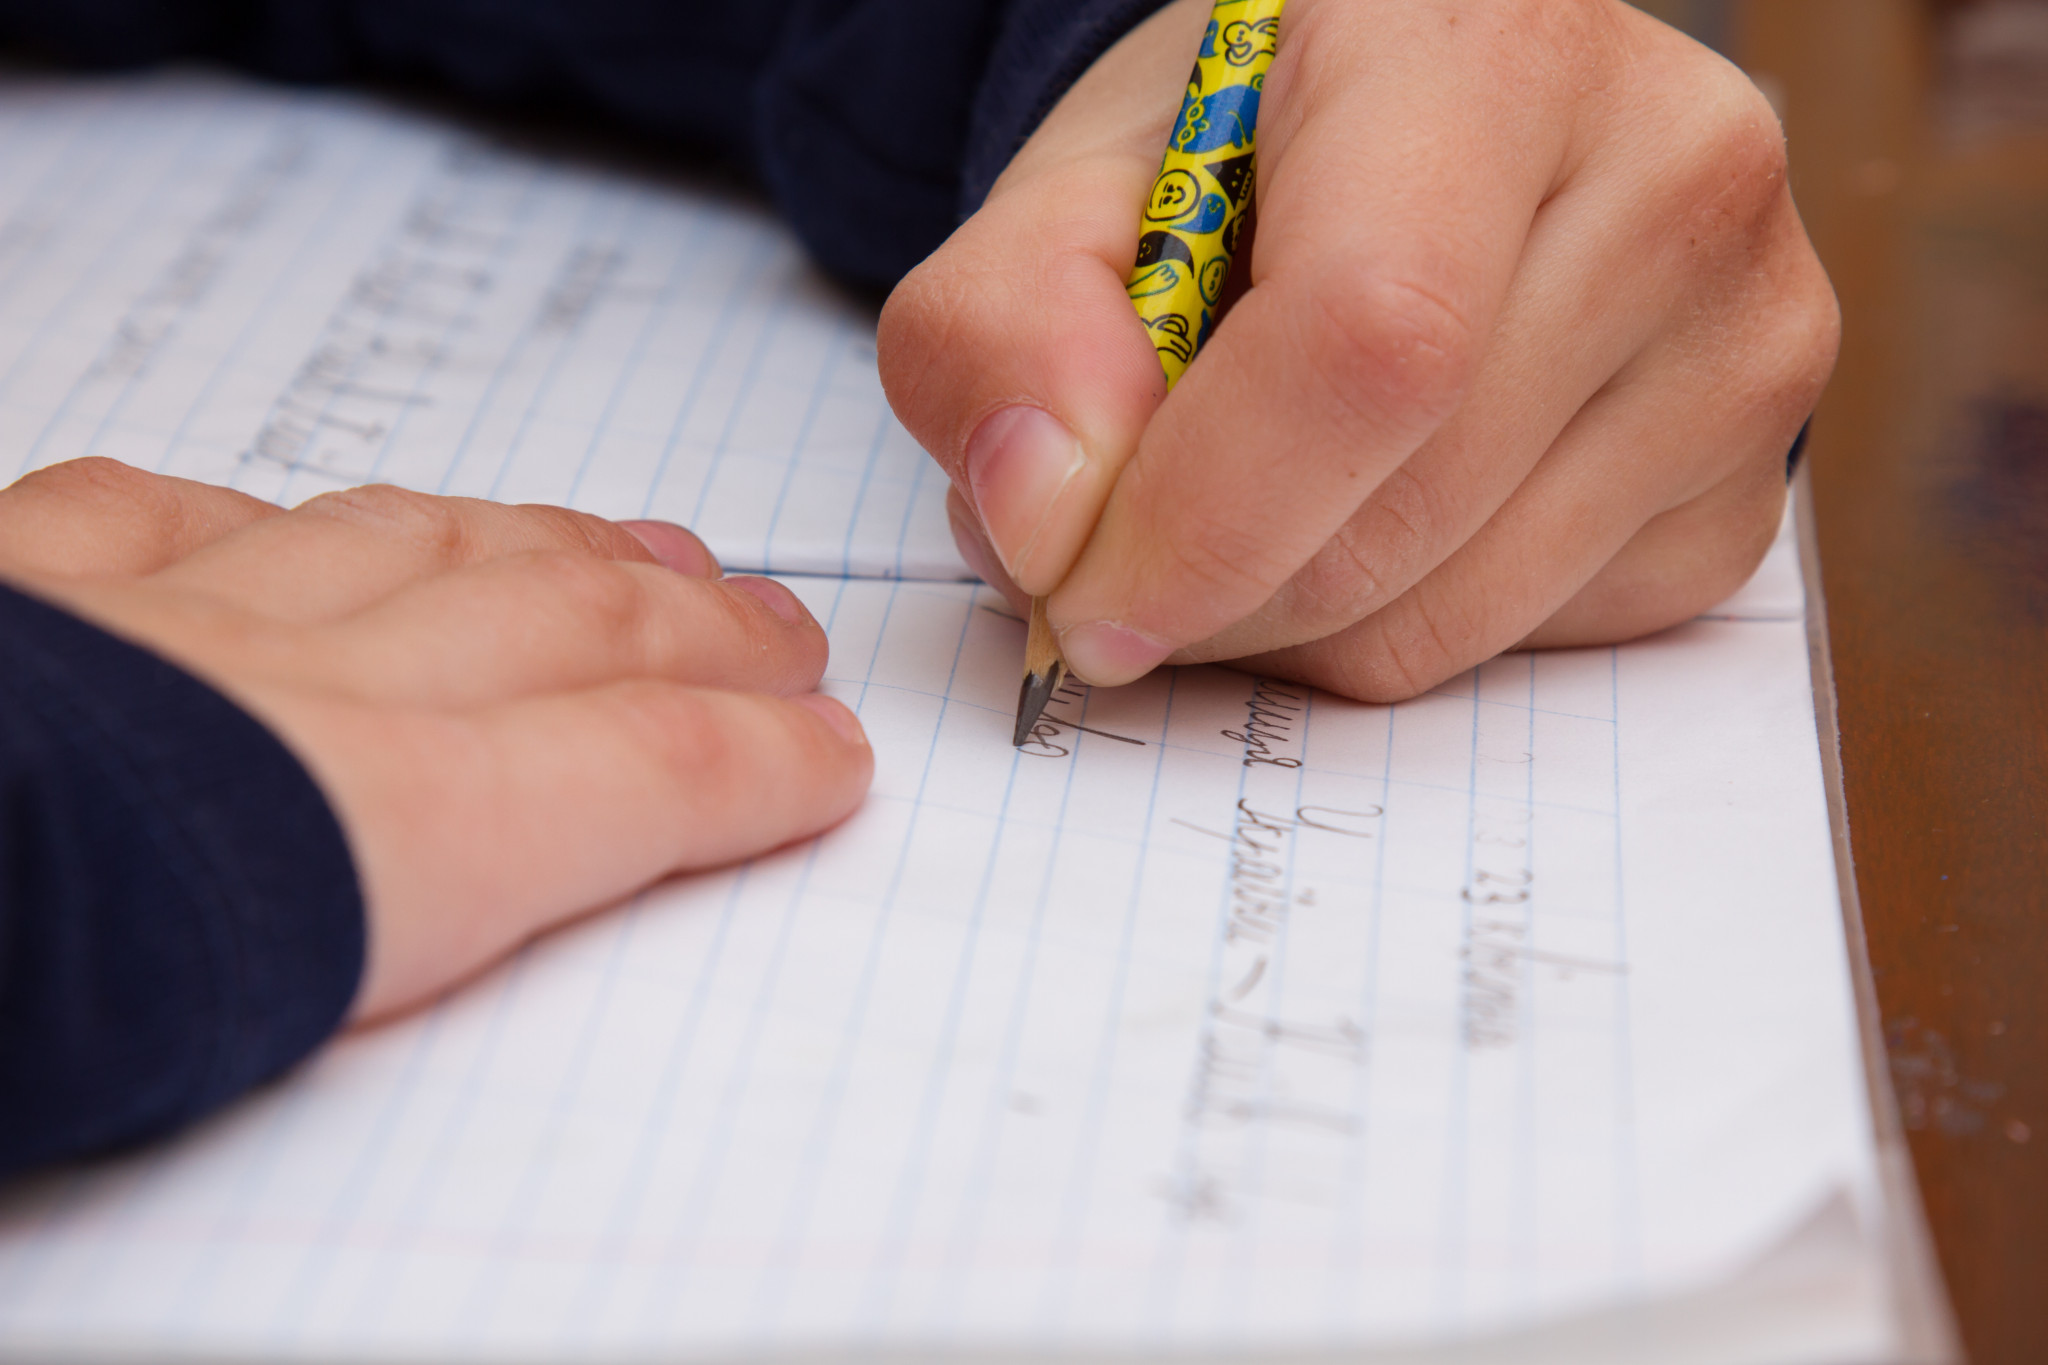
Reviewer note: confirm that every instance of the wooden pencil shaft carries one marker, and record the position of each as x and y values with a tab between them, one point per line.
1041	649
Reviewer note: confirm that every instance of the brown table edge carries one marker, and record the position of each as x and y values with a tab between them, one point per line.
1923	1320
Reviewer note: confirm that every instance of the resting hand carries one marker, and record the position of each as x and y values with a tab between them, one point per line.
519	714
1531	323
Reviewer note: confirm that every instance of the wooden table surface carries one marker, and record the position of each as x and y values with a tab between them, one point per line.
1919	143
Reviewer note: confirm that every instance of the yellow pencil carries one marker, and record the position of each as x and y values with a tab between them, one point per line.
1187	239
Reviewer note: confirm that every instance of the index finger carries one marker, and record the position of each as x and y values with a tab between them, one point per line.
340	552
1398	183
97	517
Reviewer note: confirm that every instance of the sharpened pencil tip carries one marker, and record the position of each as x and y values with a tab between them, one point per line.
1032	698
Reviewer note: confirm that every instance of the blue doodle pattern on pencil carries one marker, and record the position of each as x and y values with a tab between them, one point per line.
1196	212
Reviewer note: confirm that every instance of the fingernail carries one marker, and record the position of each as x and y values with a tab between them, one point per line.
1019	460
967	540
843	722
1105	653
973	547
674	548
780	600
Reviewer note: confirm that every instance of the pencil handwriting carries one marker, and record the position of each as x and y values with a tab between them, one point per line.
1269	724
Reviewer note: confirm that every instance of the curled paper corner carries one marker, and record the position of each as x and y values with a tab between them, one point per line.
1825	1292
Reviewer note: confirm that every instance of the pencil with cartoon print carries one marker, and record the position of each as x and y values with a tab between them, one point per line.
1186	240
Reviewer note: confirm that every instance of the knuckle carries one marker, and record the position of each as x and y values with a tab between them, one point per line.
1324	45
1741	124
916	308
1787	352
718	747
967	328
936	316
1395	347
1720	551
143	512
1341	581
1806	336
1735	555
1372	551
1213	557
1746	150
758	628
596	591
98	482
1419	653
1693	556
1410	650
433	523
679	735
1735	155
546	524
1719	206
1753	517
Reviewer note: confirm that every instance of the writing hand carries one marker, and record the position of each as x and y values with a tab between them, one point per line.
1531	323
519	714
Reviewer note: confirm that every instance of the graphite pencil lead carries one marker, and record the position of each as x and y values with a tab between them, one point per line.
1044	671
1031	699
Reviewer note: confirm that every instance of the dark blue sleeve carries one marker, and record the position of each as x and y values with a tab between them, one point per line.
179	915
1044	47
884	122
876	125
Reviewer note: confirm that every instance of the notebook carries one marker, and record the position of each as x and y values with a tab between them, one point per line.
294	294
1226	1020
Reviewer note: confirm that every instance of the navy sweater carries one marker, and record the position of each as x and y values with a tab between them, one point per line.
179	916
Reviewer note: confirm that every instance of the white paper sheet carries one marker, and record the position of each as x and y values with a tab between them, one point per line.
1510	1023
292	293
1522	1000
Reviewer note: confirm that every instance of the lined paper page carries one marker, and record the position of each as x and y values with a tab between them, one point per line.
292	293
1226	1016
1223	1018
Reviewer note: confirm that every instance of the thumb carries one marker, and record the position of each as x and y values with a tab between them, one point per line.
1013	354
